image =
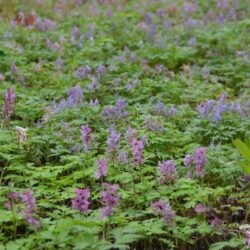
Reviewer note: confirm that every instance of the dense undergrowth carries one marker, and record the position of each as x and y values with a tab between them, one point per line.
118	123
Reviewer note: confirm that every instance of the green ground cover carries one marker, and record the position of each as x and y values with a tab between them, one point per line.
118	121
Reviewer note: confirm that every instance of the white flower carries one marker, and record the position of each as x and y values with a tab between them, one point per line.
22	134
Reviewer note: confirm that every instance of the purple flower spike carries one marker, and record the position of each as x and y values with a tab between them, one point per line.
167	171
116	112
83	72
161	109
45	24
75	33
130	135
13	69
200	161
102	169
138	146
30	208
222	4
75	94
236	108
192	42
205	107
172	111
78	2
81	202
12	198
188	160
153	125
85	133
220	108
9	101
110	198
163	209
123	157
113	141
100	71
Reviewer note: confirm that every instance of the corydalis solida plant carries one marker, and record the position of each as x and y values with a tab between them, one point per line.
163	209
113	114
138	146
167	171
86	134
12	199
81	202
110	198
214	110
9	102
113	142
199	159
30	208
102	169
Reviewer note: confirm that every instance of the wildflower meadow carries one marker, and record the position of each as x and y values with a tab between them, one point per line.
124	124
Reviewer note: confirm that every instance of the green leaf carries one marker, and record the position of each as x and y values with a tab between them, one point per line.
242	148
245	167
234	243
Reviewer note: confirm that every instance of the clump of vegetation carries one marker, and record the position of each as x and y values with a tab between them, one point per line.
124	124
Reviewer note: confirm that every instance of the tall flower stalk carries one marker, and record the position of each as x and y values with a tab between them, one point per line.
81	202
9	102
30	210
86	137
198	160
102	169
110	198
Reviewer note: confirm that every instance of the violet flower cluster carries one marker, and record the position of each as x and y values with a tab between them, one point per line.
163	209
30	209
86	137
113	142
93	84
113	114
81	202
167	171
199	160
130	135
75	95
100	71
123	157
138	147
9	101
102	169
75	34
227	10
172	111
153	125
12	199
74	99
214	110
83	72
161	109
13	70
45	24
58	63
110	198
